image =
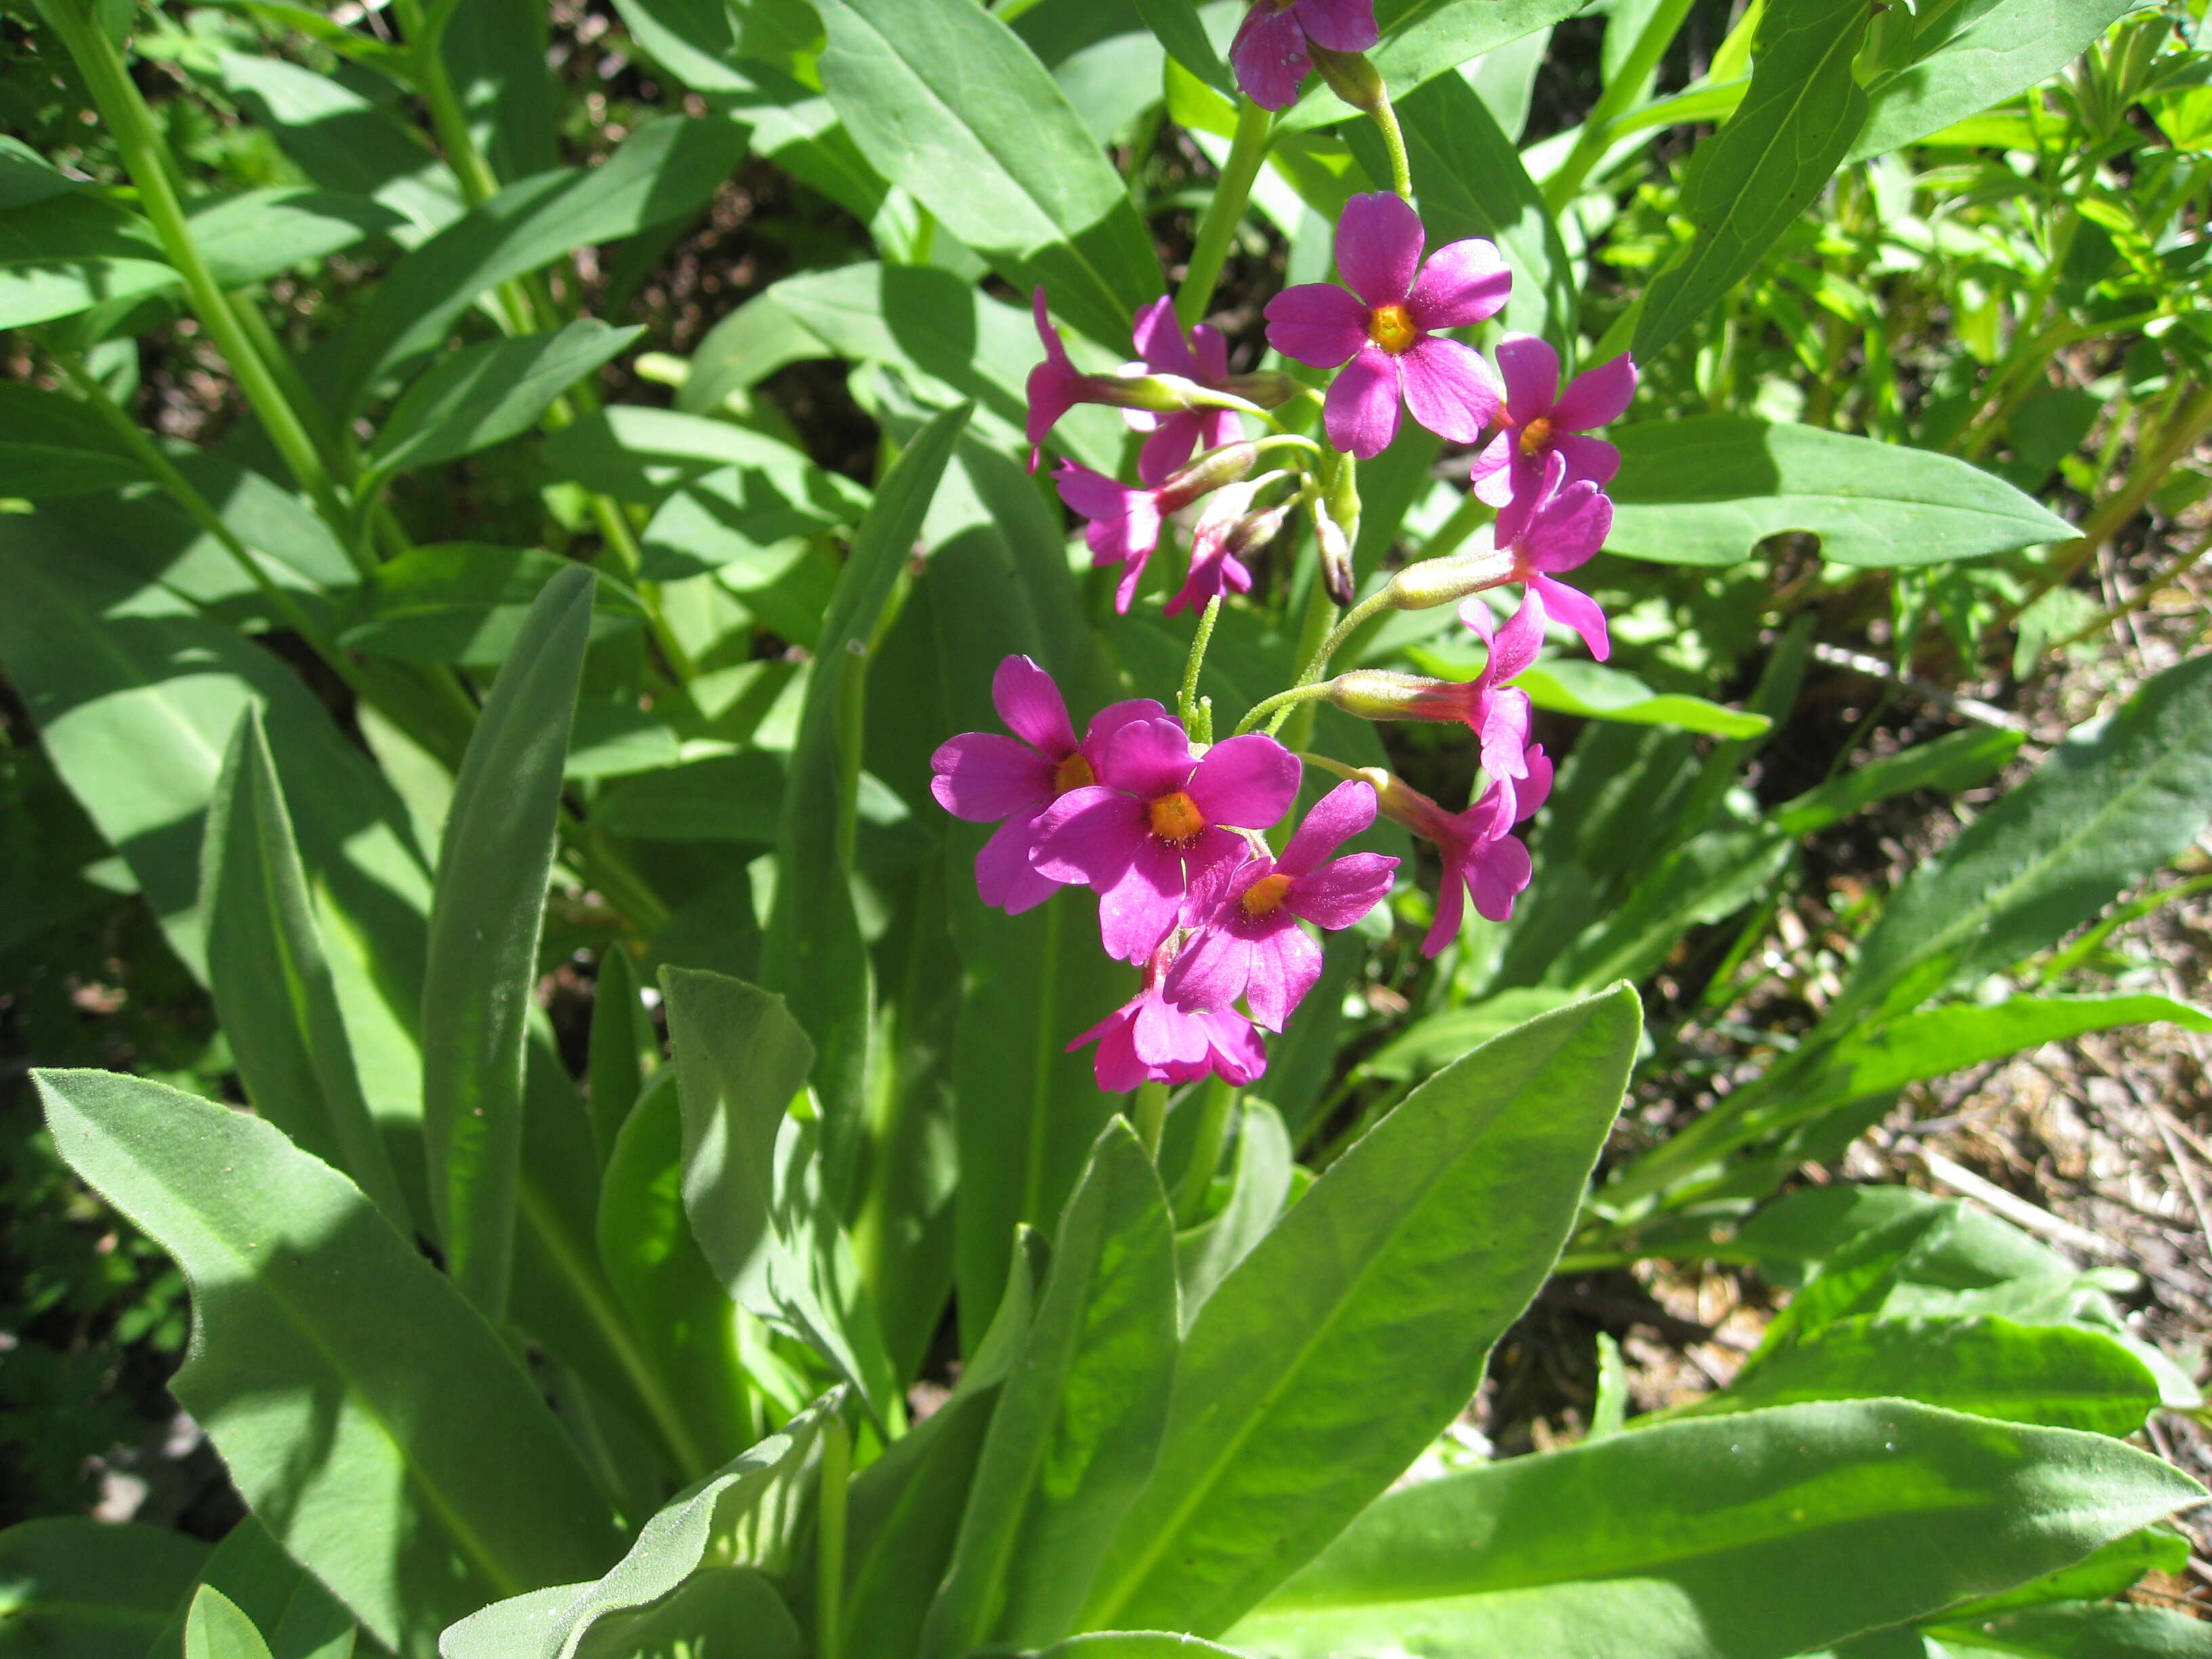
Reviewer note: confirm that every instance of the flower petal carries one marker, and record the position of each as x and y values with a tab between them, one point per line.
1490	472
1005	879
1577	610
1587	457
1342	890
1137	910
1088	836
1032	708
1284	965
1378	246
1170	445
1316	323
1451	910
1497	873
1211	972
1239	1056
1212	348
1361	410
1336	818
1269	57
1516	645
1451	388
1536	789
1166	1036
983	777
1158	335
1569	526
1248	781
1463	283
1111	718
1339	25
1530	369
1598	395
1146	757
1115	1065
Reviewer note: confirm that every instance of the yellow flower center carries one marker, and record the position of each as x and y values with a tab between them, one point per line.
1265	896
1175	817
1536	434
1389	327
1074	773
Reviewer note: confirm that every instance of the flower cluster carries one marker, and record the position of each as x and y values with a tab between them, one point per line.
1170	839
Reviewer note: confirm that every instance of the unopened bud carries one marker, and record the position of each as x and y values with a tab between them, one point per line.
1433	582
1270	388
1255	530
1161	394
1349	75
1336	525
1377	694
1208	473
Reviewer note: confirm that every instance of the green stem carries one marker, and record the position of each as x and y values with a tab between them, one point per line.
1626	88
1313	638
1394	142
1187	697
1151	1114
1281	704
830	1555
1219	227
147	162
1214	1110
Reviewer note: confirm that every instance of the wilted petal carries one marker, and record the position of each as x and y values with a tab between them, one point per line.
1269	57
1598	395
1339	25
1361	410
983	777
1463	283
1336	818
1005	878
1378	246
1342	890
1530	369
1450	388
1316	323
1248	781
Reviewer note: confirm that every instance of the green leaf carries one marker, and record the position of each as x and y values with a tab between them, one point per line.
259	234
57	445
485	394
1950	764
946	101
1259	1187
1958	71
1471	183
1078	1421
1707	879
1137	1644
2107	1573
386	1434
72	1588
676	1304
288	1605
1421	40
623	1048
1405	1260
215	1629
271	980
739	522
1434	1041
2079	1631
1749	182
1708	489
467	603
643	454
485	919
1755	1536
2054	1375
813	952
72	250
2112	803
1181	31
752	1174
698	1617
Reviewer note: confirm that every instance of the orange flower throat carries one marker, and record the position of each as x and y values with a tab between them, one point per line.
1175	817
1074	773
1265	896
1391	328
1536	434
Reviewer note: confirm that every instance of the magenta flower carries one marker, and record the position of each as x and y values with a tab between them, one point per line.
1149	1040
1226	529
1269	53
1385	337
1248	942
1158	818
1202	356
1124	527
1541	420
983	777
1055	385
1481	858
1557	527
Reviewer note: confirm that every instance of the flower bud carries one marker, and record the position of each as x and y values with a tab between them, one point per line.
1257	529
1208	473
1336	525
1270	388
1161	394
1433	582
1350	76
1376	694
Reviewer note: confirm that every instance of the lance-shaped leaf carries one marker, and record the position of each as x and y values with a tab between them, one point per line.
1749	182
381	1430
57	445
271	981
1079	1418
485	918
81	1589
1259	1187
1359	1326
1708	489
288	1605
214	1628
946	100
752	1172
485	394
813	953
1758	1536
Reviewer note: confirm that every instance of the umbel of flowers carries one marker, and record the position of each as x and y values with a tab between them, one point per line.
1171	830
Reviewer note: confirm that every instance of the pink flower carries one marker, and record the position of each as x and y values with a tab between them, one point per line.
1227	528
1055	385
1496	713
1157	818
1541	420
1202	356
983	777
1124	525
1480	856
1387	335
1556	526
1248	942
1149	1040
1269	53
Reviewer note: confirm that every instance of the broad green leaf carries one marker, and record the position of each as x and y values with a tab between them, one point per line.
752	1172
1950	764
495	53
1137	1644
248	238
387	1435
713	1611
1405	1262
739	799
1471	183
748	1515
663	169
72	1588
813	952
1749	182
1183	33
675	1302
1708	489
57	445
2077	1631
288	1605
714	47
1079	1418
2114	801
2002	50
2055	1374
1432	1042
215	1629
2100	1577
1259	1187
946	101
72	250
1755	1536
485	918
467	603
1707	879
1421	40
271	980
642	454
485	394
1568	686
739	523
